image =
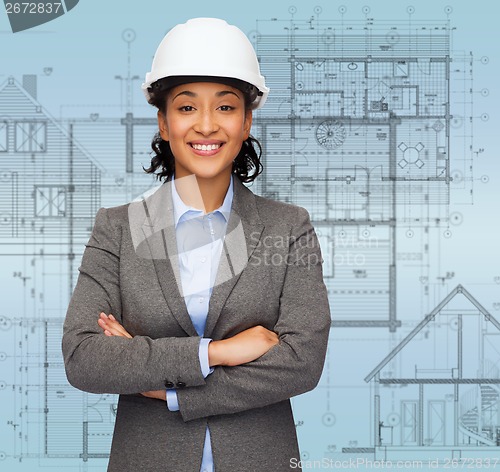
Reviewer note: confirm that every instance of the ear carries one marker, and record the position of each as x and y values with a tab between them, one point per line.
248	124
162	125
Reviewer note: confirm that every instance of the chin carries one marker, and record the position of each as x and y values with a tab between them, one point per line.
210	173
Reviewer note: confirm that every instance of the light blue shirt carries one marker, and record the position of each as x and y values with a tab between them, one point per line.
200	239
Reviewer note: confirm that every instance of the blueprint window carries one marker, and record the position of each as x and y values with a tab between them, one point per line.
50	201
4	141
31	136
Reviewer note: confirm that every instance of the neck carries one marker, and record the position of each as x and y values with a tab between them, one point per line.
203	194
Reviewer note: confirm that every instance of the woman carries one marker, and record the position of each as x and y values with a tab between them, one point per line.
203	305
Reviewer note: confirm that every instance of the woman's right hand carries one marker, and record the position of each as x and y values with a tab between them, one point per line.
242	348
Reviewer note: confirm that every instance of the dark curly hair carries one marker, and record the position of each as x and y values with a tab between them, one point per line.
246	166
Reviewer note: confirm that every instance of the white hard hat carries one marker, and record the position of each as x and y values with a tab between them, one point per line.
207	47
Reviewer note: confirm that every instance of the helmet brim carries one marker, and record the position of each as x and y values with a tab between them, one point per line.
250	91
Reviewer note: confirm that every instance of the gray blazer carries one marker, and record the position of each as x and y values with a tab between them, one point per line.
129	268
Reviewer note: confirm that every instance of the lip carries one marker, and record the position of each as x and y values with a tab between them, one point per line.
210	152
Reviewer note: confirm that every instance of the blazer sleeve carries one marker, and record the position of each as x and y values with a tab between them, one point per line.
97	363
293	366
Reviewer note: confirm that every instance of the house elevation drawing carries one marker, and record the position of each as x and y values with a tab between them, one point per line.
451	397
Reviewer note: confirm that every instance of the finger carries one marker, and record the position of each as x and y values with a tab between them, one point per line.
156	394
119	332
102	324
113	330
115	327
107	331
119	329
106	325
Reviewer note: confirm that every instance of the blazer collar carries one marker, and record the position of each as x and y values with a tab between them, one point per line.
180	208
153	234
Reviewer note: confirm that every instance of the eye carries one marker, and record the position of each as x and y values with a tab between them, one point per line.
186	108
226	108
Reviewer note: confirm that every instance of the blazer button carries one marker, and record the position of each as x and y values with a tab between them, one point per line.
169	384
181	384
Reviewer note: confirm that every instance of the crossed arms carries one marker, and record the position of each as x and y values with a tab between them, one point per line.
291	362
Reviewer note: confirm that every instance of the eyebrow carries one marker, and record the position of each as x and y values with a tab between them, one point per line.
222	93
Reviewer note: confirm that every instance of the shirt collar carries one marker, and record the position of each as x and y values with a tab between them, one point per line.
180	208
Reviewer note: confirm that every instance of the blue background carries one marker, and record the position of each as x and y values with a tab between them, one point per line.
76	59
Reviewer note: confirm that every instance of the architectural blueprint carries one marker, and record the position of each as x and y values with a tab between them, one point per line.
374	124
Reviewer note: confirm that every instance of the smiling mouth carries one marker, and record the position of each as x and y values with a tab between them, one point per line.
206	147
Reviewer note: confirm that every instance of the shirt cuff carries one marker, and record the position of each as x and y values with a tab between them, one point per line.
203	354
172	403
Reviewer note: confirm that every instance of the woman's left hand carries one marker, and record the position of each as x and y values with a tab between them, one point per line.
111	327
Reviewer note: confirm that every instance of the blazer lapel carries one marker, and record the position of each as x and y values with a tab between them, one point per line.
153	236
244	229
152	223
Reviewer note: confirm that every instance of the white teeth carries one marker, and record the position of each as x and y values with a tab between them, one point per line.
205	147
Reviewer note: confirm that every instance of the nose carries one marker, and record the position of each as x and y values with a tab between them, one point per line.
206	123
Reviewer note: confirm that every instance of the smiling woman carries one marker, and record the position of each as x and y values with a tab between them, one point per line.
204	110
181	308
205	125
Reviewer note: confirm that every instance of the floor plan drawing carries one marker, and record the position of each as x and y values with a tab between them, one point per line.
358	130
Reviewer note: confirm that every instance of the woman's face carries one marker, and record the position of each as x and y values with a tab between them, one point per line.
205	124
